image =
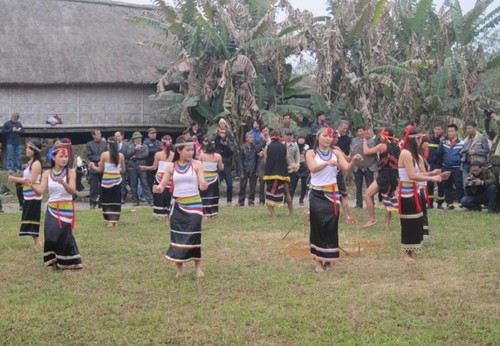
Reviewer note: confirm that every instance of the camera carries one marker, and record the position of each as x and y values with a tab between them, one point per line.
469	181
488	112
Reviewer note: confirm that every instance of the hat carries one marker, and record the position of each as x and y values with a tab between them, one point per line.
136	134
151	129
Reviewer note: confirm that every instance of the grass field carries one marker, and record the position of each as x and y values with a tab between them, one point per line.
258	288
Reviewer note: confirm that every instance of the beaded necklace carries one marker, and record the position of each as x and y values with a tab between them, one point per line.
57	175
325	156
182	169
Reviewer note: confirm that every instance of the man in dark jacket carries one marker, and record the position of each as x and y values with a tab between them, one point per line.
13	129
449	152
435	162
94	150
480	187
248	170
153	146
494	135
225	148
138	157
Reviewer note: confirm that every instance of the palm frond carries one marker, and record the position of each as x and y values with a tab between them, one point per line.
146	21
422	10
169	50
380	11
391	69
260	42
167	96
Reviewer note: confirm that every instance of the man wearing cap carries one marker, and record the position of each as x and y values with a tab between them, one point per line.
13	129
153	146
94	150
139	155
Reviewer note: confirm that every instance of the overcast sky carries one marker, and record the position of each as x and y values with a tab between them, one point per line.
318	6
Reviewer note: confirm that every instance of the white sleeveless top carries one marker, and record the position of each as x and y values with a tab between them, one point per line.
209	166
403	174
27	175
57	192
111	168
327	176
185	184
163	166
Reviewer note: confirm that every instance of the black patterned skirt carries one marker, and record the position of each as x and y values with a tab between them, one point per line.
423	203
275	189
30	221
324	219
162	202
111	203
410	216
210	197
185	230
59	247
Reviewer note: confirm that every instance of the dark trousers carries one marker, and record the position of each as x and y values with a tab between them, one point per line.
358	179
455	180
151	178
247	177
303	186
440	192
225	175
488	197
95	188
124	184
134	175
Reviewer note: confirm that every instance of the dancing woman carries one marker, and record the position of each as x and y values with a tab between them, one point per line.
32	205
162	162
187	210
410	204
324	198
112	165
211	161
387	178
59	249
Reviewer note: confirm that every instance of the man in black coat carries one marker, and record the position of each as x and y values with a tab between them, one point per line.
153	146
94	150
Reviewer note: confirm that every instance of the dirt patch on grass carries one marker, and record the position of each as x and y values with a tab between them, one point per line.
298	247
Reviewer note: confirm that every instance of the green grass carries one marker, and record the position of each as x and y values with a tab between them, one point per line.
258	288
254	291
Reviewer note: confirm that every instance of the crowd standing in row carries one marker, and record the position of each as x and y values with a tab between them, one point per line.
181	181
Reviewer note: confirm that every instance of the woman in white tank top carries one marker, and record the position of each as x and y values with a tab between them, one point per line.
187	210
30	220
211	162
162	162
410	209
59	248
112	165
324	198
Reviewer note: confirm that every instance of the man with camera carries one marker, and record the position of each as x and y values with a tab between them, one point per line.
494	156
225	148
475	148
480	188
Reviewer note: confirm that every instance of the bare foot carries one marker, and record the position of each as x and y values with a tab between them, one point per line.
200	274
38	243
319	267
180	270
407	256
370	224
109	225
327	266
388	228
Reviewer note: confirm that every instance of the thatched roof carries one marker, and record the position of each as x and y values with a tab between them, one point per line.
75	42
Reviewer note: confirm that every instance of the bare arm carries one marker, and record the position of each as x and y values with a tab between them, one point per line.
122	163
40	188
100	165
154	167
220	164
379	148
342	160
406	161
164	180
202	185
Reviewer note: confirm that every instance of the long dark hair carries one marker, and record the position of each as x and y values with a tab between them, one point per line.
167	144
208	145
114	156
36	146
412	146
180	143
